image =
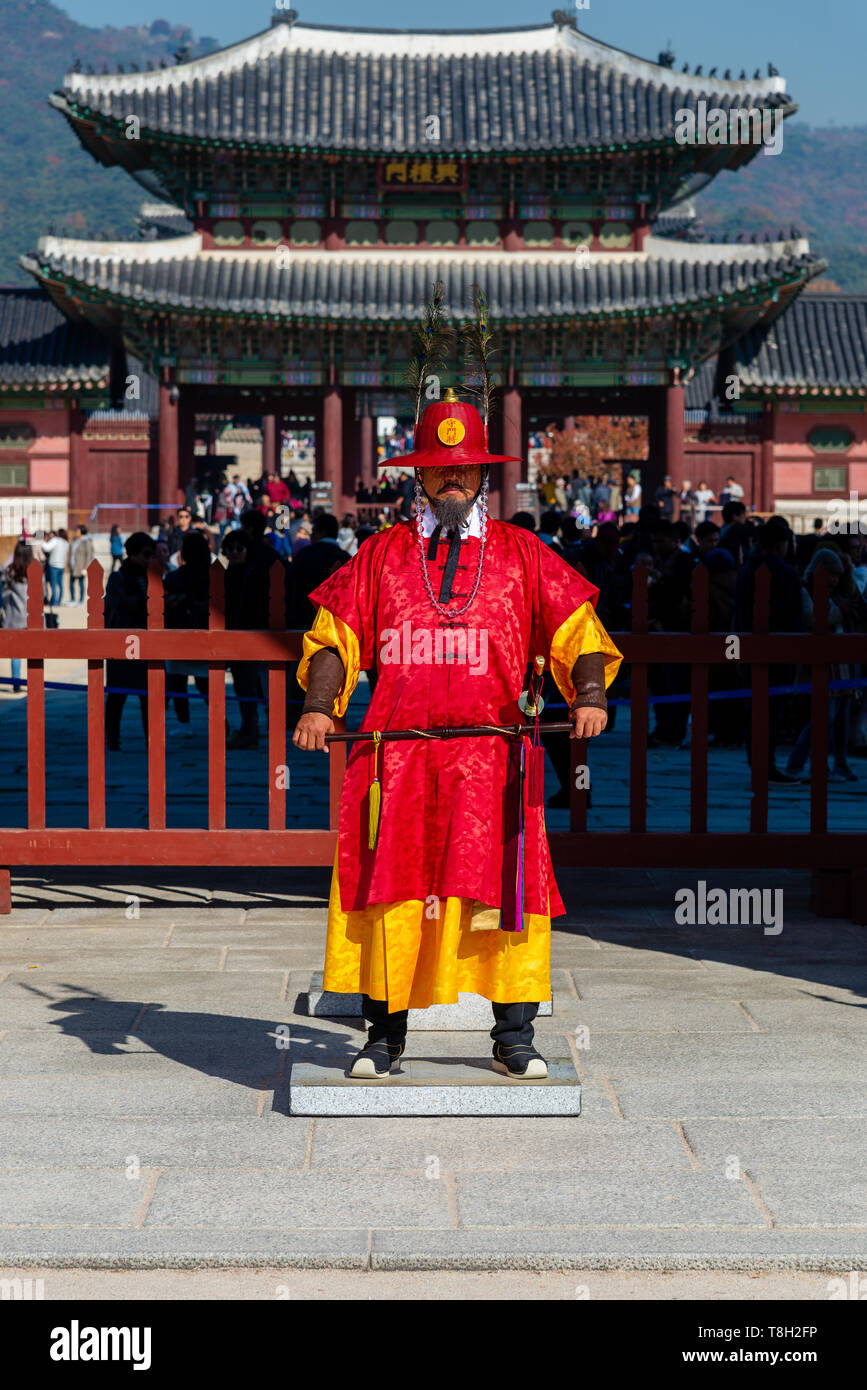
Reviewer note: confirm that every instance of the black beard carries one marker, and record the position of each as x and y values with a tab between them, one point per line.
451	512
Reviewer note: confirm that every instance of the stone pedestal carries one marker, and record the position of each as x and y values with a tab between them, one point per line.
451	1086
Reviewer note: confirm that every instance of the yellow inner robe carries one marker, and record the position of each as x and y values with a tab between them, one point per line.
401	951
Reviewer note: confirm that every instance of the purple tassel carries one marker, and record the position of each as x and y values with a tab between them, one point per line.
519	882
536	776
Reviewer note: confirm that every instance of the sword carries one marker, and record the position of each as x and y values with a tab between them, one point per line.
448	731
530	703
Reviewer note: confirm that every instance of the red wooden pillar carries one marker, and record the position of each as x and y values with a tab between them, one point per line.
271	441
78	497
333	234
186	440
514	443
329	460
495	446
665	440
350	455
367	441
674	424
168	459
769	421
512	238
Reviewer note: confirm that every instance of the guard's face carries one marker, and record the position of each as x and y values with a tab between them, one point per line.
452	481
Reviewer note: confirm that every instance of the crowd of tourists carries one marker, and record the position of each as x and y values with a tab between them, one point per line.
731	550
310	547
220	501
600	526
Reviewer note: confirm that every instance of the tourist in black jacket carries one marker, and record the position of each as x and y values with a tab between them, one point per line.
126	607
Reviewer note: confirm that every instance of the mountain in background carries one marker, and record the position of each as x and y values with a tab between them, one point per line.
49	183
818	182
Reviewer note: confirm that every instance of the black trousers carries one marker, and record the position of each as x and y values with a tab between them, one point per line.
114	704
121	678
246	680
513	1023
176	689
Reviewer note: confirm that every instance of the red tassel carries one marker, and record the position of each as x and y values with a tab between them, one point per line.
536	776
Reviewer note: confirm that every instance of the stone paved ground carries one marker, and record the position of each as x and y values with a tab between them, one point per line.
144	1114
425	1285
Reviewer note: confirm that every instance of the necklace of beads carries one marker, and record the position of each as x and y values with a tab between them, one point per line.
420	503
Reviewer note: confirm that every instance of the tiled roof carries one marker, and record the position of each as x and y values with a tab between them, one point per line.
820	341
39	346
162	219
392	286
311	87
701	388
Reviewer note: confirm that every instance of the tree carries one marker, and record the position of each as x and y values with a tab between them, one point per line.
594	439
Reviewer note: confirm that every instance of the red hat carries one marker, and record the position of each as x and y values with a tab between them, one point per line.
449	432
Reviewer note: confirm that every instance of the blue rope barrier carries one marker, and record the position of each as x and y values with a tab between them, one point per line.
745	694
139	690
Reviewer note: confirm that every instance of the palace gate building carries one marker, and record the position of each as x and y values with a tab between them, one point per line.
327	177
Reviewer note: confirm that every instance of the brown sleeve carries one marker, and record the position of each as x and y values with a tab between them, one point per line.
588	678
326	676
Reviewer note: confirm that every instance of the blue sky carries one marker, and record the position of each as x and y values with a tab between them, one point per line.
820	48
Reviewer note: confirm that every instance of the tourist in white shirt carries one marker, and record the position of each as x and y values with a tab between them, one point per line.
56	551
703	498
632	498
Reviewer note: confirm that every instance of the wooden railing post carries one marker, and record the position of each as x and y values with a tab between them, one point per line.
336	771
95	704
35	705
156	716
820	674
638	710
577	795
217	705
277	766
760	713
699	699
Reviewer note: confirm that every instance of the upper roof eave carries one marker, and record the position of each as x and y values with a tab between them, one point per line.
314	88
415	43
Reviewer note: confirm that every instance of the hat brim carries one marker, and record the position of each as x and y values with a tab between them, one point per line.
440	458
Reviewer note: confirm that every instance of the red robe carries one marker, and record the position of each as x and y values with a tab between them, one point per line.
448	806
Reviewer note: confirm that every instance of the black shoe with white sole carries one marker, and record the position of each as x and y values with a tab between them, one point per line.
521	1062
376	1060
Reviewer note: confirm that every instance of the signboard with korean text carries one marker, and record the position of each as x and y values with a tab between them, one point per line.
429	172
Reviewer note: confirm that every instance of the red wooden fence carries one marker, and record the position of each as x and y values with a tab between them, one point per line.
836	856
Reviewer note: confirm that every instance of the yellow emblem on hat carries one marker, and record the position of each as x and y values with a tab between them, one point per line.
450	431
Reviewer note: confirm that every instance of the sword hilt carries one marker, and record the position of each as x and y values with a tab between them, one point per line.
531	703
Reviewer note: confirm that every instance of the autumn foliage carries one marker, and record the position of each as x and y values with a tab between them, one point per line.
594	439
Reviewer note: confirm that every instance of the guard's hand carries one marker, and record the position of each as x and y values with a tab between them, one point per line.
310	732
587	721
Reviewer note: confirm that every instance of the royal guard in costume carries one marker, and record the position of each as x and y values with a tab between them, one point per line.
443	881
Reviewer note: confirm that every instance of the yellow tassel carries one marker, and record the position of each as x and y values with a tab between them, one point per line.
373	814
374	798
